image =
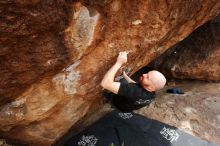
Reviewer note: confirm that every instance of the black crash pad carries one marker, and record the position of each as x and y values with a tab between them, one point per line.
130	129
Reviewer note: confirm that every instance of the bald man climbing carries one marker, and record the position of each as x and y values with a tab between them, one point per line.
132	95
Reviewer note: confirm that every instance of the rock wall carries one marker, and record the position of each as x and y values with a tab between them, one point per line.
54	54
196	57
31	47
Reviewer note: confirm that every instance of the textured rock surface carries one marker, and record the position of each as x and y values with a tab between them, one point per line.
30	45
196	57
54	54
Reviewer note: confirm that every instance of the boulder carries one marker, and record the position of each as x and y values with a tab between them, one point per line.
54	54
196	57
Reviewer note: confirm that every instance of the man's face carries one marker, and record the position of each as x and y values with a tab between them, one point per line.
145	79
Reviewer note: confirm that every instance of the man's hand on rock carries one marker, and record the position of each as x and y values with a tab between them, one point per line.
122	58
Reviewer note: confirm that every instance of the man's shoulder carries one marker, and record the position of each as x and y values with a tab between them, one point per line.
138	86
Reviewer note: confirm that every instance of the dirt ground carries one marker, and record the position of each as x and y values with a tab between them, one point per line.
197	111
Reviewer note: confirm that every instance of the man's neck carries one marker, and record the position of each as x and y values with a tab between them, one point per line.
149	89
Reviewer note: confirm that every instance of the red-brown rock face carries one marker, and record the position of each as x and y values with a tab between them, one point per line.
196	57
54	54
31	47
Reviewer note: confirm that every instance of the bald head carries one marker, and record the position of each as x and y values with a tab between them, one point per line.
158	79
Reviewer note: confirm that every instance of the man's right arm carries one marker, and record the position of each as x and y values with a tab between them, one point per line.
108	80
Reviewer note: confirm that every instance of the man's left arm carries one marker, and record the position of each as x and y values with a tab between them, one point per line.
108	80
127	78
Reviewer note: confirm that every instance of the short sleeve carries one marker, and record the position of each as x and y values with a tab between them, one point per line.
129	90
132	96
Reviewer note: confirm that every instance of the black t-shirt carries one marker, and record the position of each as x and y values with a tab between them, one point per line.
132	96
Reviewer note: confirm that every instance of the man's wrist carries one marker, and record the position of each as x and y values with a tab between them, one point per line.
118	64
